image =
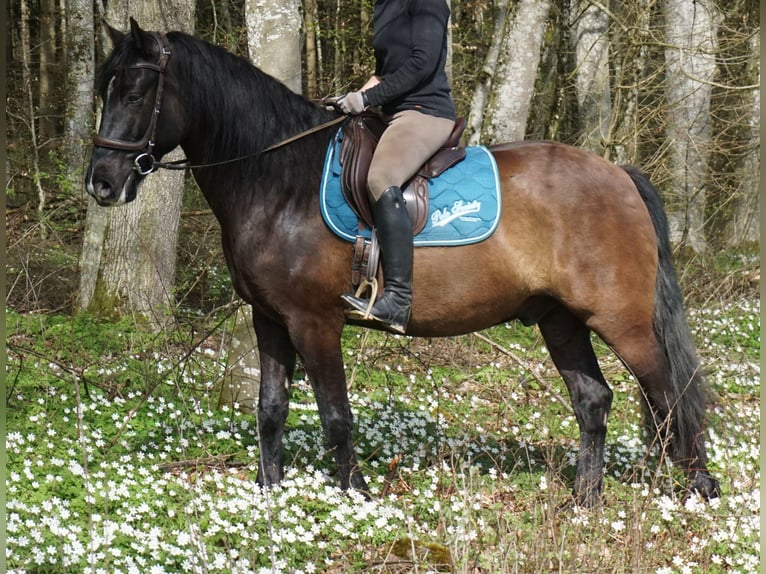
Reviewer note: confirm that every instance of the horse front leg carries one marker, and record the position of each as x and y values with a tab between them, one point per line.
322	357
277	356
568	341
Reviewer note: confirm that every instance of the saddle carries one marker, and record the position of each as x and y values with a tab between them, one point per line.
361	134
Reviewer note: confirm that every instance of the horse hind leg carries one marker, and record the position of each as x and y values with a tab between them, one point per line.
568	341
674	401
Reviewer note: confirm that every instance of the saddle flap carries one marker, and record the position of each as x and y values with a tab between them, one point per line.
416	202
448	155
361	134
441	161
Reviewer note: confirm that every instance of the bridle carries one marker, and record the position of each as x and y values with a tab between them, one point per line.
144	163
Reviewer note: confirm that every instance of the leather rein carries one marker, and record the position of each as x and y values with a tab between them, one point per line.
145	163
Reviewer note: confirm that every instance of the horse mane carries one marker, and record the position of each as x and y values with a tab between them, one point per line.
236	110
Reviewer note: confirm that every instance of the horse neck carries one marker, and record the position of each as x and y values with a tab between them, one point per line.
236	110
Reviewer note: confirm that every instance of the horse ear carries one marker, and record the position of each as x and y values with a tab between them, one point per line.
143	40
115	36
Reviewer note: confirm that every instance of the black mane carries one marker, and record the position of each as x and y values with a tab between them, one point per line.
235	110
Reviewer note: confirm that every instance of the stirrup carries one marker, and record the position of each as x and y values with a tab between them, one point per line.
372	284
357	311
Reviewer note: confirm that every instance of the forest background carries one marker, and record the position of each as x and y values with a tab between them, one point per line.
669	85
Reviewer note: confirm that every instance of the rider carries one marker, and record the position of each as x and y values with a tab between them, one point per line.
410	85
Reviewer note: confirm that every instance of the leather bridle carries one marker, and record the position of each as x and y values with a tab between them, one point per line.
144	163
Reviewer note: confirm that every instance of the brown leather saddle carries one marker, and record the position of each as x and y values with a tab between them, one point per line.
361	134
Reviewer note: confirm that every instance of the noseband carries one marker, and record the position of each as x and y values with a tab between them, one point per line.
144	163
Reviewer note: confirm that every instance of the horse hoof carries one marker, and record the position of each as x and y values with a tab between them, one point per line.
704	485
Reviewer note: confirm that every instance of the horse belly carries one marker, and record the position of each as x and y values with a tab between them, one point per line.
459	290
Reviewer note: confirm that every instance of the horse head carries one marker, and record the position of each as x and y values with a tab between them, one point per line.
142	117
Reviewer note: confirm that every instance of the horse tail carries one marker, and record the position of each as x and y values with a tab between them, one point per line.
692	395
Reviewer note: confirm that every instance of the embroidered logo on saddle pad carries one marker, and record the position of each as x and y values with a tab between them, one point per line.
464	200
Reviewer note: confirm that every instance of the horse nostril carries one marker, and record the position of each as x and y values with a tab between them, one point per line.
103	189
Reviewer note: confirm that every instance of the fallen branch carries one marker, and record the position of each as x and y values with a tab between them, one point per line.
542	382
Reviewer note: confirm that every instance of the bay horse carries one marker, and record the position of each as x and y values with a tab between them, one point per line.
582	246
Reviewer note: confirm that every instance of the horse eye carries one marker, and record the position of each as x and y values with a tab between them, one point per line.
135	98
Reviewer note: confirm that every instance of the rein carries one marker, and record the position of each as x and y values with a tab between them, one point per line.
184	163
145	163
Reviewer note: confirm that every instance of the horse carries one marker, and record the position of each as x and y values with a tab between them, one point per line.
581	246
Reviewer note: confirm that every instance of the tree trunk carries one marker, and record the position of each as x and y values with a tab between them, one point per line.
81	71
243	365
47	78
514	83
590	40
129	252
745	223
30	105
273	30
690	33
311	26
629	60
273	39
482	91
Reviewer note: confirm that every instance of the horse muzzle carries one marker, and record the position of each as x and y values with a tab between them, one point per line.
107	190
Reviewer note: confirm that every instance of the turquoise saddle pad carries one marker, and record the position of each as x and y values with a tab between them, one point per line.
464	200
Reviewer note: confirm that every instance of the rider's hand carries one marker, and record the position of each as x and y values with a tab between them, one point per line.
353	103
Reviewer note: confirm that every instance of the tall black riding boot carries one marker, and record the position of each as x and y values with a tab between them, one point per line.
392	310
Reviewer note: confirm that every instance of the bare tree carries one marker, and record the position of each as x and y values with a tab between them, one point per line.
313	46
745	223
590	39
81	71
273	39
514	82
690	32
481	93
629	59
47	75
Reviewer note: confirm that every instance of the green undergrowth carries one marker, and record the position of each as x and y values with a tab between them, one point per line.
121	460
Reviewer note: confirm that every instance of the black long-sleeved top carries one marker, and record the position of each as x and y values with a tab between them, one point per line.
410	42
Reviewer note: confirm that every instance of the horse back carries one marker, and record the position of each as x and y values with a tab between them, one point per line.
574	231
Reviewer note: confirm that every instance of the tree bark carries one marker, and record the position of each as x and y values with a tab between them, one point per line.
590	40
629	58
482	91
30	105
690	32
745	223
514	83
81	72
129	252
311	27
273	39
243	366
47	73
